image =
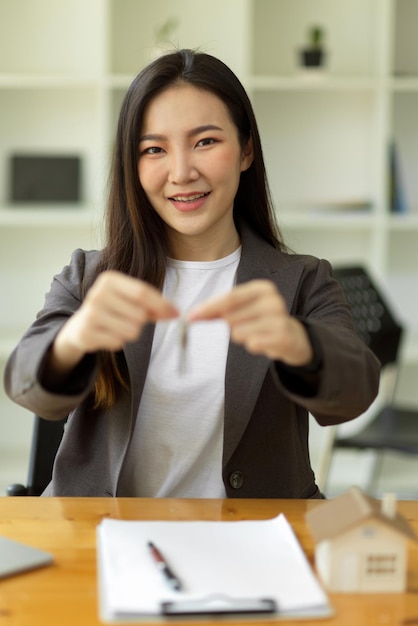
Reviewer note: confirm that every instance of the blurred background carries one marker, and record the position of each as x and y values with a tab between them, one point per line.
335	90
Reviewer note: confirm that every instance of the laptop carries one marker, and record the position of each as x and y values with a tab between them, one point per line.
16	557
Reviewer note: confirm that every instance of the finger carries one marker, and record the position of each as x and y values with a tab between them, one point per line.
285	339
121	330
89	332
127	296
258	310
114	312
253	333
227	305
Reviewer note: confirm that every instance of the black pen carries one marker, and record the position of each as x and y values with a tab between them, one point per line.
164	567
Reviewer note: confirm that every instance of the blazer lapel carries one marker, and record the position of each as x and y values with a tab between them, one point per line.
137	357
245	372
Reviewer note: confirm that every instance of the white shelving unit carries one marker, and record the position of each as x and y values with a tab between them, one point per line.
65	66
327	135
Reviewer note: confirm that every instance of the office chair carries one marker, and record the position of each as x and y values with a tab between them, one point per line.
46	437
388	427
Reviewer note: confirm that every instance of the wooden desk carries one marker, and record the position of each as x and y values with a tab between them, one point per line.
66	592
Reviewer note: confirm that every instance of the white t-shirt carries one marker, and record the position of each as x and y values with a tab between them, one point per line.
176	448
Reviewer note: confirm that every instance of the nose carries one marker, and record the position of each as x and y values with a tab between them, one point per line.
182	167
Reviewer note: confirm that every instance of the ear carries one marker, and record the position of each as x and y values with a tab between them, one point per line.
247	155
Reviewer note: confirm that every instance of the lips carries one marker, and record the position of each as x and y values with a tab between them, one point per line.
189	197
189	202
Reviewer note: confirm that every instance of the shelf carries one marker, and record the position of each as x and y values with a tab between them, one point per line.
312	81
45	81
403	222
322	81
404	83
317	219
53	216
329	219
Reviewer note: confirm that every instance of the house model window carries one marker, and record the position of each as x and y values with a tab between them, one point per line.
382	564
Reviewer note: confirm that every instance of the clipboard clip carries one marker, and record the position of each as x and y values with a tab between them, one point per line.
217	605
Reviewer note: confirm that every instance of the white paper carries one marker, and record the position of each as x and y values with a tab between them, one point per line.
239	559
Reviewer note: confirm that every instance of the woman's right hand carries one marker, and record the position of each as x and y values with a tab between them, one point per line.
113	313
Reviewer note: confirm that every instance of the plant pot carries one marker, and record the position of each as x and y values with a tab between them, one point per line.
312	57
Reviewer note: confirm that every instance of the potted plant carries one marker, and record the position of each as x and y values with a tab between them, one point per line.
164	36
313	54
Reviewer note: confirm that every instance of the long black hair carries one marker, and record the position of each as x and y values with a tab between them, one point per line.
136	240
135	234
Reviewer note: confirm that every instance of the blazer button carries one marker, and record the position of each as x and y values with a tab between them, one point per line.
236	480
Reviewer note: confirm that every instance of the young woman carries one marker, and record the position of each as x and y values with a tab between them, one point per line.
188	352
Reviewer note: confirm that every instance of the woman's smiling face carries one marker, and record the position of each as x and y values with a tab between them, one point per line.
190	162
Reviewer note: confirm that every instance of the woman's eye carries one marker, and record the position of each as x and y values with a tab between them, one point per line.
206	142
153	150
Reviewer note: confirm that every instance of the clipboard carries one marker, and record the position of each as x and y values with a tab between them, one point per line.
230	568
218	605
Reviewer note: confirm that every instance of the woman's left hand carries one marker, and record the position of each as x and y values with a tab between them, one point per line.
258	318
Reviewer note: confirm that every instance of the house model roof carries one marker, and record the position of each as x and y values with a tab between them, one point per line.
351	509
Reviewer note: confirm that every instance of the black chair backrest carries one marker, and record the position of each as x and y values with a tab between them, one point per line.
46	439
372	316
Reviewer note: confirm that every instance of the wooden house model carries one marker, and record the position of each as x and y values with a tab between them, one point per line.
361	543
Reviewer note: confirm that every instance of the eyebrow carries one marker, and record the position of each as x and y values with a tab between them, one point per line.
192	133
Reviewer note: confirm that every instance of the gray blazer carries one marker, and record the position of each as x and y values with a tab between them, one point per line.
265	453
